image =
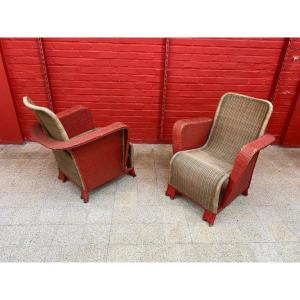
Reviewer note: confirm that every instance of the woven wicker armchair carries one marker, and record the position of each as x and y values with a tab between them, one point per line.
86	155
214	160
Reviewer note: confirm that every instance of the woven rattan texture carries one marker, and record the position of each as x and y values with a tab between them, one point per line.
203	173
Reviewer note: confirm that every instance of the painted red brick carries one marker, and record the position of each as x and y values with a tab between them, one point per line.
120	79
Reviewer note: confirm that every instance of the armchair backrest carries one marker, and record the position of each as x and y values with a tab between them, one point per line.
238	120
48	120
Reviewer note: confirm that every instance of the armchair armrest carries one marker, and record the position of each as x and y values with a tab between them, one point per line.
247	153
190	133
76	120
243	168
77	141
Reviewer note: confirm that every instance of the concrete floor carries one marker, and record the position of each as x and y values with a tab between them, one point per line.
130	219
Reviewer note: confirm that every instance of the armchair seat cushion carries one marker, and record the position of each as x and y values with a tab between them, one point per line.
201	176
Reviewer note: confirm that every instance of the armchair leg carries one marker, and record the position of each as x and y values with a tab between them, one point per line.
62	176
132	172
209	217
85	196
171	192
245	193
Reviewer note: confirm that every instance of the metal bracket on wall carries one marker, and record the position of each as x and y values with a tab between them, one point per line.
45	72
164	90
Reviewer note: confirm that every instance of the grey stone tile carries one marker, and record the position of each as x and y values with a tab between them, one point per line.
268	214
265	252
124	253
261	227
228	233
294	227
106	200
209	252
127	199
69	235
50	215
96	234
75	215
29	254
290	252
236	252
181	253
238	212
7	216
281	233
255	232
290	214
136	253
137	234
149	214
92	253
173	214
25	216
126	183
144	161
145	173
99	215
202	233
12	235
6	253
39	235
142	148
193	214
153	253
128	215
177	233
63	253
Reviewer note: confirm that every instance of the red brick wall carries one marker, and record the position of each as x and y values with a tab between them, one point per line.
121	79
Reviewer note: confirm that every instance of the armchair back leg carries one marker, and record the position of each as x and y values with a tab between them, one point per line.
62	176
85	196
209	217
131	172
245	193
171	192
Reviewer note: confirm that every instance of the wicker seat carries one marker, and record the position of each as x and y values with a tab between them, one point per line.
86	155
214	160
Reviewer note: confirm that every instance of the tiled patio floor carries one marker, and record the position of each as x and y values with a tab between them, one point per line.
130	219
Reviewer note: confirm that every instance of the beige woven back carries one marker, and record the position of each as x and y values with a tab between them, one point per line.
239	120
48	120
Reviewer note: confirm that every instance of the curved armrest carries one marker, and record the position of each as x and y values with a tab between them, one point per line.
243	167
77	141
76	120
247	153
190	133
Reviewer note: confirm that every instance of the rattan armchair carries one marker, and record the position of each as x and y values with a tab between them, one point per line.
85	155
213	160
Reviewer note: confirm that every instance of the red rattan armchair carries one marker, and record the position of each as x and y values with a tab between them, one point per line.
214	160
86	155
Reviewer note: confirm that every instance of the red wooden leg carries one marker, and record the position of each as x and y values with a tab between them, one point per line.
132	172
209	217
85	196
62	176
171	192
245	193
